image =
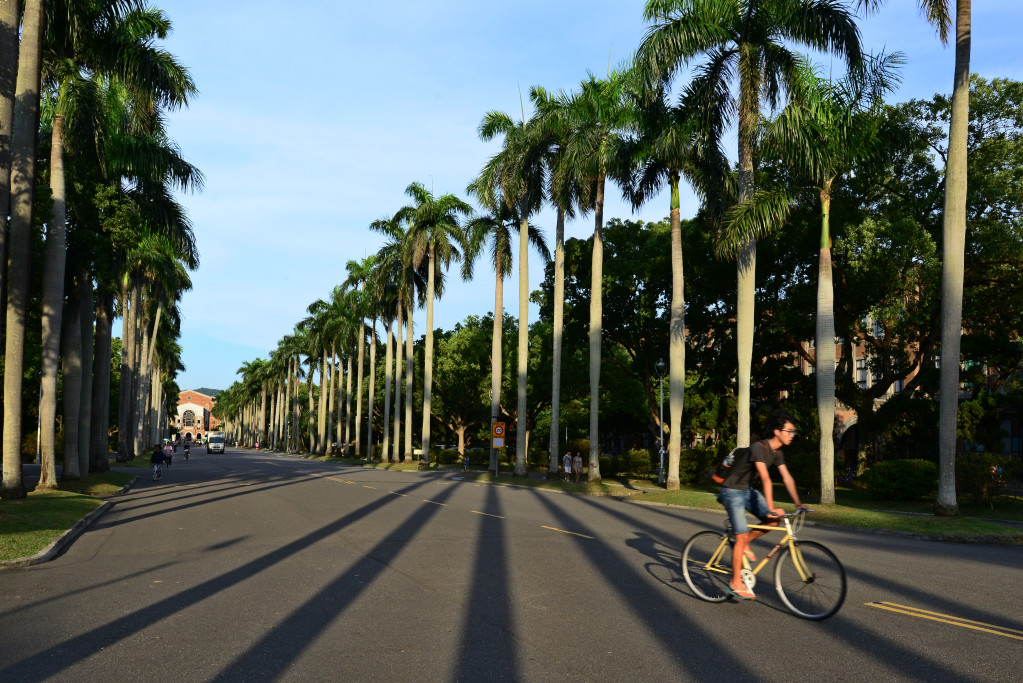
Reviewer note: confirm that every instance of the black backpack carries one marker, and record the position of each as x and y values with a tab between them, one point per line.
724	468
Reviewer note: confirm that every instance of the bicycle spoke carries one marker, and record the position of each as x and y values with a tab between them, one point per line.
810	580
702	566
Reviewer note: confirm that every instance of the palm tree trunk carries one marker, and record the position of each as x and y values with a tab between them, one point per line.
321	416
348	406
52	305
129	307
496	357
99	432
149	350
358	390
312	405
396	449
559	324
23	173
596	328
408	384
825	350
385	451
72	380
331	437
9	56
424	459
746	264
86	304
952	267
286	408
521	418
676	343
372	388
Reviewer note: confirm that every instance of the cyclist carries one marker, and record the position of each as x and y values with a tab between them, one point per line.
739	495
156	460
188	449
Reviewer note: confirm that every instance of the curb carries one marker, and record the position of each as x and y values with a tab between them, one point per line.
65	539
980	540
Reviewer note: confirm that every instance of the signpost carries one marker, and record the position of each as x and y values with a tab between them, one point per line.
497	435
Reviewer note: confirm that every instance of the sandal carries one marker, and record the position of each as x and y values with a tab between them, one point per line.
744	594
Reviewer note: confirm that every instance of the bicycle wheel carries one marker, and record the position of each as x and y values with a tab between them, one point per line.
810	580
702	567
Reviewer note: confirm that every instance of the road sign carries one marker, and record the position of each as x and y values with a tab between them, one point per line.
498	434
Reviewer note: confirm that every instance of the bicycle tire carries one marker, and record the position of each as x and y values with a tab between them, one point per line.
707	582
822	593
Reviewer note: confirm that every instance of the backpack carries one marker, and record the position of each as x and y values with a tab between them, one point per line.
724	468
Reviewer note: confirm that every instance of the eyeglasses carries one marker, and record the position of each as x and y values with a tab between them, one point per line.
789	431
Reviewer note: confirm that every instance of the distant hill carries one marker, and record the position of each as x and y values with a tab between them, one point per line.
208	392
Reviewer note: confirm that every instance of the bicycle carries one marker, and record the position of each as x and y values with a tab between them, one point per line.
808	577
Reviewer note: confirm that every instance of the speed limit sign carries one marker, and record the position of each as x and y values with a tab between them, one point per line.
498	434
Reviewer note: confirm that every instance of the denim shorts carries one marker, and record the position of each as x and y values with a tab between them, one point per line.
737	502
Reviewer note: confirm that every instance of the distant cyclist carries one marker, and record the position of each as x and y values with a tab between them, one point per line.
157	460
188	449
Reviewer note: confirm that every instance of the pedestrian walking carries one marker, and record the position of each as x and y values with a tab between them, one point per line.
577	465
566	465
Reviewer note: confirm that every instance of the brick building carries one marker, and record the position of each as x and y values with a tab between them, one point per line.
195	418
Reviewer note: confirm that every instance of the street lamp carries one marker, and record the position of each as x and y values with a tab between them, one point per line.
661	368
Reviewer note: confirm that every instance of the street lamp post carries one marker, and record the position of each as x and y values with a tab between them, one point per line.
661	368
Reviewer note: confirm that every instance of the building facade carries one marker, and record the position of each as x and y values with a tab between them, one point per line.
195	418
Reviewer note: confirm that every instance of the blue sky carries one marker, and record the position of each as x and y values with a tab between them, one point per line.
311	122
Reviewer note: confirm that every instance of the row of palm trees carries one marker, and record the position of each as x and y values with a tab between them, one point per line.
631	128
93	86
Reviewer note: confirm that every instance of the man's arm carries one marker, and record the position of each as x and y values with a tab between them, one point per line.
790	485
765	479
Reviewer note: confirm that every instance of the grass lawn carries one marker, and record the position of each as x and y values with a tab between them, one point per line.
29	525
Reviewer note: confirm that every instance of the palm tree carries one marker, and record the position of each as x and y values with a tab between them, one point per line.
826	128
434	238
514	177
595	117
8	55
358	275
23	138
743	37
670	142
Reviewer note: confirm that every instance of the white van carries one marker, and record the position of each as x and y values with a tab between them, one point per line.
215	443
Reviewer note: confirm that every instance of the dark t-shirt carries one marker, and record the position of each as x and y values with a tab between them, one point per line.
744	471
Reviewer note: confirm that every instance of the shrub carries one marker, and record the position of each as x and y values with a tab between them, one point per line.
606	466
902	479
697	463
539	458
981	475
448	456
637	461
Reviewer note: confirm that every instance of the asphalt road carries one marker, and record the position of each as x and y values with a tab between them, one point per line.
255	567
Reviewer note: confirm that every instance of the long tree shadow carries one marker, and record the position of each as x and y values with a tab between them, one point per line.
487	642
663	623
271	655
45	665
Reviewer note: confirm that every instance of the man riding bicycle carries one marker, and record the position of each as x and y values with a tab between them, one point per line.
739	495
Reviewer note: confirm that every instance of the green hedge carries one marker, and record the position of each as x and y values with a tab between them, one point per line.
981	475
902	479
638	461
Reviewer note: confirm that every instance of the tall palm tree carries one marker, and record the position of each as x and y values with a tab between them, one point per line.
514	177
23	138
8	55
670	142
358	275
826	128
746	38
434	237
564	192
595	116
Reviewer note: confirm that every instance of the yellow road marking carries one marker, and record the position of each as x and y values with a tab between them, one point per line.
368	487
434	502
948	619
486	513
568	532
396	493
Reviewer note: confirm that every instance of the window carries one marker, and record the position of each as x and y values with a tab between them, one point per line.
188	419
861	372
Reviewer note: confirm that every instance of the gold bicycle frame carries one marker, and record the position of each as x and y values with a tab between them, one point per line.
789	539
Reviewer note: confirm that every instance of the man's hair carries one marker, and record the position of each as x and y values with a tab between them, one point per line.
776	421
